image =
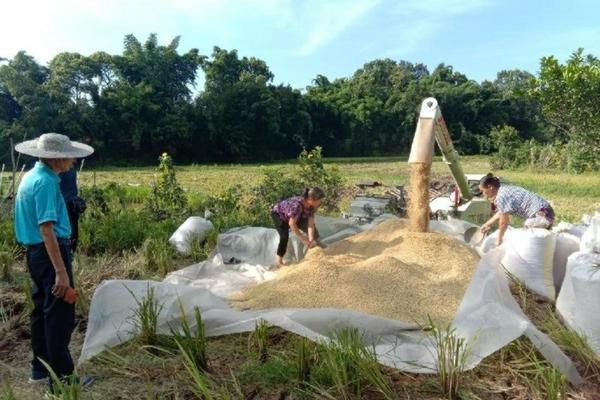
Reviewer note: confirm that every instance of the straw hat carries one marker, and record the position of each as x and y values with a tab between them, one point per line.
54	145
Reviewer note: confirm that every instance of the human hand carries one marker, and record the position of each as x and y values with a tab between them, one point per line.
485	228
70	296
498	241
61	284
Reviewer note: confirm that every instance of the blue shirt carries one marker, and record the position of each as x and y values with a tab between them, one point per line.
68	184
39	200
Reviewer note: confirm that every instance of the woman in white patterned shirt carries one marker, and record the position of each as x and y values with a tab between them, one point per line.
511	199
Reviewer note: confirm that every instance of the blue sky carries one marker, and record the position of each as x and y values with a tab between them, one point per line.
302	38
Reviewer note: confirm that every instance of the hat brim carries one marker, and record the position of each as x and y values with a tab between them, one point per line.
75	150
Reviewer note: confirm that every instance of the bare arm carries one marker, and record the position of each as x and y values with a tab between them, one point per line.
61	283
298	232
490	222
504	219
311	229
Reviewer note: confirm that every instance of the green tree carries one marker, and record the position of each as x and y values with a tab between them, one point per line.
570	98
151	96
242	113
26	105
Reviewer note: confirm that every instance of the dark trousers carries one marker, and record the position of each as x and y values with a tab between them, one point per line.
283	228
52	319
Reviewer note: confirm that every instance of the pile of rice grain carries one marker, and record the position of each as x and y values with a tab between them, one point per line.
388	271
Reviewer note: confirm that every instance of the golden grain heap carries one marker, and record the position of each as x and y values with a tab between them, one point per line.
387	271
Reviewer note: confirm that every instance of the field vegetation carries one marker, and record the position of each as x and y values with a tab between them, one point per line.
124	234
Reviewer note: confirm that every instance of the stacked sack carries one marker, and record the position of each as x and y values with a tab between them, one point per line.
528	256
568	239
580	293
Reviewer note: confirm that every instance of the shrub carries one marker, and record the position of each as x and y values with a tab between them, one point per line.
548	156
511	152
114	232
583	150
274	187
314	173
167	197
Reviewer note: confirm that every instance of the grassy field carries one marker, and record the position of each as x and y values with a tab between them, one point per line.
271	363
571	195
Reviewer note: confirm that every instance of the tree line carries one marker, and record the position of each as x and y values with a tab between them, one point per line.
134	106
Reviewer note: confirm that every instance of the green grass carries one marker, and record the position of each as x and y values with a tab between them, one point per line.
155	367
572	195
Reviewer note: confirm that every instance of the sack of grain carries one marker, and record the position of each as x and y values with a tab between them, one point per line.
529	257
573	229
590	241
194	228
566	244
579	297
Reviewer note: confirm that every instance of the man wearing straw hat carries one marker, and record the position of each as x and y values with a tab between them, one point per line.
42	226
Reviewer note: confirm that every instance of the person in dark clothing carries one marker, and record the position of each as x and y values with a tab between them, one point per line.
42	226
297	214
75	204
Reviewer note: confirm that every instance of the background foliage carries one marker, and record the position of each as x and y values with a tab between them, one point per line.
134	106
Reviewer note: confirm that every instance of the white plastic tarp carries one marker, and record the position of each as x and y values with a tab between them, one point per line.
488	318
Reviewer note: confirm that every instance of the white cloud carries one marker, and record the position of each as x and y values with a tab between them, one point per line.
324	22
441	7
423	20
46	28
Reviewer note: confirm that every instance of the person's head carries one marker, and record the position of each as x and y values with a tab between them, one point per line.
313	196
59	165
55	150
489	186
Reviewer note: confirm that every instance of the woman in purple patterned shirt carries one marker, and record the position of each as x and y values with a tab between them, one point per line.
297	214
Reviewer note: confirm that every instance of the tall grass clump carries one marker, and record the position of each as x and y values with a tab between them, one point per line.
575	344
351	367
6	260
159	256
259	339
146	316
203	386
304	359
452	352
68	388
194	344
548	381
542	379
